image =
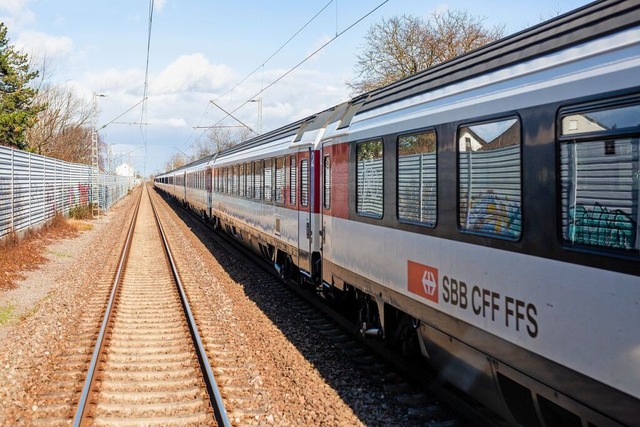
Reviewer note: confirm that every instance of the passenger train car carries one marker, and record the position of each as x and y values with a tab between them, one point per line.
483	212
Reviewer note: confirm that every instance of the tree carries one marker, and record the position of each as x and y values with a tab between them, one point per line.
63	129
177	160
400	46
18	109
219	139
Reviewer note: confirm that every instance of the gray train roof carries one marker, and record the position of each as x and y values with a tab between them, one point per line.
588	22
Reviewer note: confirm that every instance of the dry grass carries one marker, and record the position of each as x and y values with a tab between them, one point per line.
18	256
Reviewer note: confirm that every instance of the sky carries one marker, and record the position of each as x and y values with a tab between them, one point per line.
211	50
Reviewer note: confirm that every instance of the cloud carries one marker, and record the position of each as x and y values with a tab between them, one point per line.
174	122
116	81
17	13
42	44
191	73
159	5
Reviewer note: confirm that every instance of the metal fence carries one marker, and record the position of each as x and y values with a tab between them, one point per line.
34	188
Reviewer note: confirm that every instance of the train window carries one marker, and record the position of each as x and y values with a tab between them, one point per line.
224	180
268	175
292	180
257	180
280	180
369	183
326	197
249	172
242	184
304	182
599	177
417	184
489	178
234	181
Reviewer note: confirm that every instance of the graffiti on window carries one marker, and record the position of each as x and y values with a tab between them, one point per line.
496	214
598	226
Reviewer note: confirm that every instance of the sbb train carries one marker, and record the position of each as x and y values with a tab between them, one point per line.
483	212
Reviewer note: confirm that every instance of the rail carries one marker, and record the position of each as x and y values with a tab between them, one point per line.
213	393
205	366
89	381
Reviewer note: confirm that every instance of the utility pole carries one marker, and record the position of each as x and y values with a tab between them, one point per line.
259	101
95	165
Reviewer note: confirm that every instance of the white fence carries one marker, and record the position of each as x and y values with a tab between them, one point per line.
34	188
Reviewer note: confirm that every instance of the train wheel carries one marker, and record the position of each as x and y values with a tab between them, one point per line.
285	269
368	316
406	337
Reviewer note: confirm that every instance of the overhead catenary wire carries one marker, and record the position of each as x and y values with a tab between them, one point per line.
145	93
298	65
114	120
278	50
261	66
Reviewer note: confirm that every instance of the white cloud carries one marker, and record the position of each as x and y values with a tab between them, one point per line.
191	73
41	44
17	13
174	122
159	5
115	81
14	7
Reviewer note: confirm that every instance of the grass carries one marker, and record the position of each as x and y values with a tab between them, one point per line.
6	314
80	225
59	254
80	212
19	255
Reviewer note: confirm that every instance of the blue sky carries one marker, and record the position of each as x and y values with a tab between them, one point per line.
202	49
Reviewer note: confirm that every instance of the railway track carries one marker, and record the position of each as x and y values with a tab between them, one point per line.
148	366
424	401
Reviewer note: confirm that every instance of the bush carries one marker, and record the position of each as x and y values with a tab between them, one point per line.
80	212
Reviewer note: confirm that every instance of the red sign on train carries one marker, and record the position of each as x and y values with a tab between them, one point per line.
423	280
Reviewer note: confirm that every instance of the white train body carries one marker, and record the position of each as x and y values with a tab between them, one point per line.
492	203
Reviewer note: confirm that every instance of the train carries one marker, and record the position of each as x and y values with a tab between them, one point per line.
483	213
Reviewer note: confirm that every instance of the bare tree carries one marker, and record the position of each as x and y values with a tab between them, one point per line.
63	127
221	138
175	161
400	46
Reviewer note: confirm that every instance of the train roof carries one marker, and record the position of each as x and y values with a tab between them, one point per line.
196	164
589	22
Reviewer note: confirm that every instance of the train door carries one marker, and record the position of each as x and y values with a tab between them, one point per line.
184	187
305	235
208	181
325	199
334	208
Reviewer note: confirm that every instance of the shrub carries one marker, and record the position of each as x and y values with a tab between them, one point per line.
80	212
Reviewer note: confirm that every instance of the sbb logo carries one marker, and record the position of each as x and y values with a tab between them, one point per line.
423	280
